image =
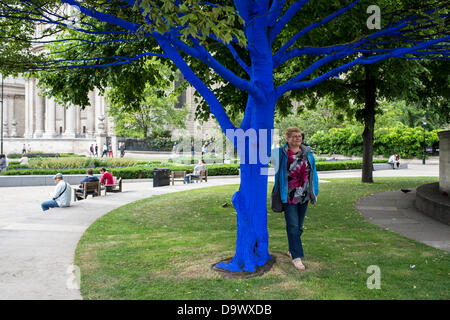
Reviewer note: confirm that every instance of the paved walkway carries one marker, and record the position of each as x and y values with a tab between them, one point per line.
396	212
37	250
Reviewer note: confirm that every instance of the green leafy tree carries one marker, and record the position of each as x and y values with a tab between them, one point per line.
158	106
360	90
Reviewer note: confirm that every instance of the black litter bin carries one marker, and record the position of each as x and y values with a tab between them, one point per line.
161	177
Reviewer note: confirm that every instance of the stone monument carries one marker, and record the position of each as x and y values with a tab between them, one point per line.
433	198
444	161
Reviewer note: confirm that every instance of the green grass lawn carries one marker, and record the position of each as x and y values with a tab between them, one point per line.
163	247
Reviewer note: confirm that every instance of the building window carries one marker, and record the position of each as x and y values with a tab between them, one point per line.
84	129
60	130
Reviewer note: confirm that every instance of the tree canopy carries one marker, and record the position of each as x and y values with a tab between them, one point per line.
241	56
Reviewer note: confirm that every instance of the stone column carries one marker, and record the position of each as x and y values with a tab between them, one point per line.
444	161
50	117
28	98
70	122
40	109
31	107
78	126
5	116
91	116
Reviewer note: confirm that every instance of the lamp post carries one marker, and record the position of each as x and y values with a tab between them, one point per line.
424	122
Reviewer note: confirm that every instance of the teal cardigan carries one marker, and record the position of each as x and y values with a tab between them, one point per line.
281	172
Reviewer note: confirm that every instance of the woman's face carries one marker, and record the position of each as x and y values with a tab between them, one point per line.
295	140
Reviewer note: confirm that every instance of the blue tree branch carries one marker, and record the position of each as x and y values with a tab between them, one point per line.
275	11
200	52
284	20
215	106
104	17
397	53
333	16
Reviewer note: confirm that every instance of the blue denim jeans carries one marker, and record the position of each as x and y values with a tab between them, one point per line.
295	215
49	204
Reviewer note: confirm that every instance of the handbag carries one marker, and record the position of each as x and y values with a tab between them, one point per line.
275	200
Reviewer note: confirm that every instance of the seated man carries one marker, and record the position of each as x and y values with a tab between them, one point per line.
199	167
24	159
61	197
89	178
394	160
107	179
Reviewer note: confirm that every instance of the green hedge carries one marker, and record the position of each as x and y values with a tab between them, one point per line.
138	172
407	142
141	172
43	155
343	165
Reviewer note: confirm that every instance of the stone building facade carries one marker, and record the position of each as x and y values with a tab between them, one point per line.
39	122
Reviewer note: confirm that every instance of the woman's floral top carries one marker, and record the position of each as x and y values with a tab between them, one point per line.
298	173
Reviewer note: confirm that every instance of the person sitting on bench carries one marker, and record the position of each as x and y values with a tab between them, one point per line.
199	167
107	179
394	160
89	178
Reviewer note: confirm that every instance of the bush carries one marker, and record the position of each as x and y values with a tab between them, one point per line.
142	172
78	163
137	172
407	142
43	155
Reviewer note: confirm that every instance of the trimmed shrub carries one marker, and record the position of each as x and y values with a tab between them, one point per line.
407	142
43	155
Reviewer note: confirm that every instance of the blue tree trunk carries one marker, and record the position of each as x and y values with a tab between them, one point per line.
250	201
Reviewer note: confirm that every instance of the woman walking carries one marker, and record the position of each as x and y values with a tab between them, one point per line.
297	178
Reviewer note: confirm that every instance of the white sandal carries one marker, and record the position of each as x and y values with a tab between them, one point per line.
298	264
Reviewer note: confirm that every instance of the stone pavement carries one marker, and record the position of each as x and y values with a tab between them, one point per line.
37	250
395	211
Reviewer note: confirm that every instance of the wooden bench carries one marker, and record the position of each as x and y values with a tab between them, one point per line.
178	176
202	176
115	187
88	188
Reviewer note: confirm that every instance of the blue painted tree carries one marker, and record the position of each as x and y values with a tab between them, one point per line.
267	40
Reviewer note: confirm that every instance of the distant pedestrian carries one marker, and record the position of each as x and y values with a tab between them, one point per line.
105	150
29	148
110	152
91	150
24	148
96	150
2	163
205	148
122	149
192	149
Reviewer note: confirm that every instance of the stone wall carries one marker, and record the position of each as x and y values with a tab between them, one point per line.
444	161
61	145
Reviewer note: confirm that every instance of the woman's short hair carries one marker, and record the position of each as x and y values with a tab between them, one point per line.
289	131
